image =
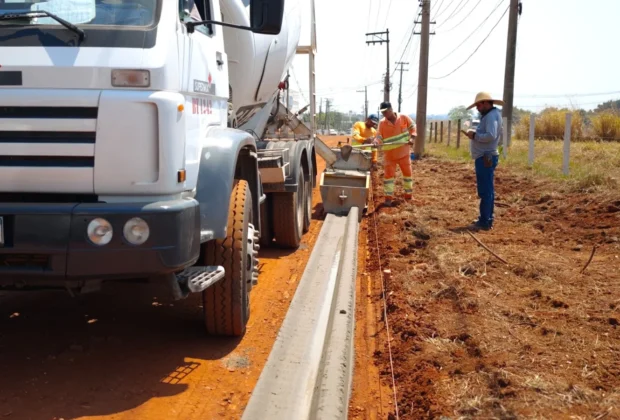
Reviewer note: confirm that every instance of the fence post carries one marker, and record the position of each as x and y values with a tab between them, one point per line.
430	131
505	136
458	134
530	158
567	128
435	131
441	134
449	131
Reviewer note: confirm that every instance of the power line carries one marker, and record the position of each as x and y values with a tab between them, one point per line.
298	85
477	48
416	50
436	8
409	40
366	51
406	46
469	36
346	89
556	105
406	36
454	12
441	12
532	96
387	14
464	19
377	16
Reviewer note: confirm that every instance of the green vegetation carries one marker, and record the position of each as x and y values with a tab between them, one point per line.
594	152
460	113
593	164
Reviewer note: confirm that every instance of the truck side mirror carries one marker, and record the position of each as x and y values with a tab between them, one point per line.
266	16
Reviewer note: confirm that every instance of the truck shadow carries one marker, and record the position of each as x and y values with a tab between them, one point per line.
98	354
318	212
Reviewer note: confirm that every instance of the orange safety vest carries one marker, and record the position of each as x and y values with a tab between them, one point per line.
388	133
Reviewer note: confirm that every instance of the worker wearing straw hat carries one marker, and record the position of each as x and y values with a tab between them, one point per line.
484	141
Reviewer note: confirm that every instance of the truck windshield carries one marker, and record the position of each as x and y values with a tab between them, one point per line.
82	12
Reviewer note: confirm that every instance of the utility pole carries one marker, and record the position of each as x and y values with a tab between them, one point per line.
327	104
400	86
509	75
365	100
320	112
380	38
423	79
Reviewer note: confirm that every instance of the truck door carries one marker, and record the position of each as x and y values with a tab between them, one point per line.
204	79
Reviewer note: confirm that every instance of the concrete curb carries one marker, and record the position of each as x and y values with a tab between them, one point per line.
308	374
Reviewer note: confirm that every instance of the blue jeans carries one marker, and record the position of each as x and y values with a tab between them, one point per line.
486	190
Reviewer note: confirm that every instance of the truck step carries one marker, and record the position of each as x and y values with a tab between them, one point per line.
270	162
198	278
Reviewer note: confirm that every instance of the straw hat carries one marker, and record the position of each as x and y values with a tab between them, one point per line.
484	96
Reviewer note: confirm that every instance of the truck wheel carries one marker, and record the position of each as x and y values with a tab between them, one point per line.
288	216
307	204
226	303
266	232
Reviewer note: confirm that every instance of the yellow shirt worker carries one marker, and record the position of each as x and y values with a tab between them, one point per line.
364	132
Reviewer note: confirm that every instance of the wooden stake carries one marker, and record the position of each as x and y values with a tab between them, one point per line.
589	260
487	248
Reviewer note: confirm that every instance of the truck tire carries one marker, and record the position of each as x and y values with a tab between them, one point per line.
266	231
288	216
307	203
226	303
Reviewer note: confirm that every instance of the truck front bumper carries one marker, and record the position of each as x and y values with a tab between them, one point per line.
51	241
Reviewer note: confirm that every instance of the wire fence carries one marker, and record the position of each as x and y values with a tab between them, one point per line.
554	152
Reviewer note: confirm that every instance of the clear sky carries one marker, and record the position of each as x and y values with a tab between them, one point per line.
567	52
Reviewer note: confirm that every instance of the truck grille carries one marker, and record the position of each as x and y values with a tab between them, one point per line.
48	112
47	161
46	137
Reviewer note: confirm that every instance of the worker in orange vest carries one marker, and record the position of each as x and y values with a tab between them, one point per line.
395	133
364	132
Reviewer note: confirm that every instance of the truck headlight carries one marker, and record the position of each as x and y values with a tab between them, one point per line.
131	78
99	231
136	231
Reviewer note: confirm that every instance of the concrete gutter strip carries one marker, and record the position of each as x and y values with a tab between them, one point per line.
285	388
332	401
308	372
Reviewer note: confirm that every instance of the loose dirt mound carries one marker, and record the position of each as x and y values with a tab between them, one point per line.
473	337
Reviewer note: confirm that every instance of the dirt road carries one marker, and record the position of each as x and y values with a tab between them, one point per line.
125	354
474	337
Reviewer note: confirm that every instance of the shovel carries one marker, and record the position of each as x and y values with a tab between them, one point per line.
347	149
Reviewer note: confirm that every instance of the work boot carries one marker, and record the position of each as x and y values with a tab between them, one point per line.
477	226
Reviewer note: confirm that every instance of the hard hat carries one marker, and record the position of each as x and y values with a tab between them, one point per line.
385	106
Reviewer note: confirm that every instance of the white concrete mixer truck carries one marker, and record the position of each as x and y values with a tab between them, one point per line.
135	144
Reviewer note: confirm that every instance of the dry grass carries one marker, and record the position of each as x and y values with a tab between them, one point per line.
593	164
607	125
550	124
475	338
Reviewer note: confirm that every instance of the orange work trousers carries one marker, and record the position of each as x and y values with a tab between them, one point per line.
389	167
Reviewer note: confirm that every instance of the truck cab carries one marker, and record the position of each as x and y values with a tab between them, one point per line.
116	159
